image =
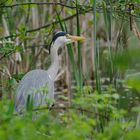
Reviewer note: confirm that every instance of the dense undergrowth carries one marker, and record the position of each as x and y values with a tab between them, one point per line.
107	109
90	116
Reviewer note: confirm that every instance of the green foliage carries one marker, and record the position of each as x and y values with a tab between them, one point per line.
91	116
127	59
133	135
133	81
107	110
77	70
7	49
22	32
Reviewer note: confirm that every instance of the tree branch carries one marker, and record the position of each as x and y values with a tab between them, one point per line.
37	3
45	26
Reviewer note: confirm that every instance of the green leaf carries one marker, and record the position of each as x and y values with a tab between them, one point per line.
133	81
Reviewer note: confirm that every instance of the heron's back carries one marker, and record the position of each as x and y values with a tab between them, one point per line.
38	85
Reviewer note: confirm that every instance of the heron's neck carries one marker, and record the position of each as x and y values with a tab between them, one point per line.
53	69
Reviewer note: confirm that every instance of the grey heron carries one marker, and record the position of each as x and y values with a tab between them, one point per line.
33	83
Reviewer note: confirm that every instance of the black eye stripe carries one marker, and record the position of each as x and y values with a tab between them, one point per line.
55	37
58	35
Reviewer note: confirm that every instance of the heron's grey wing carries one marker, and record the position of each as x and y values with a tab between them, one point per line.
33	83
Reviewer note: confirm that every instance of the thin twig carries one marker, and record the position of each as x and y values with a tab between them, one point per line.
37	3
65	108
52	23
79	109
45	26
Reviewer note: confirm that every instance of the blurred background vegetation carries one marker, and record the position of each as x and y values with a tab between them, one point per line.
98	85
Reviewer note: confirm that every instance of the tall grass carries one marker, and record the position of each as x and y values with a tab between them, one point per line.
76	69
96	50
108	27
80	79
96	66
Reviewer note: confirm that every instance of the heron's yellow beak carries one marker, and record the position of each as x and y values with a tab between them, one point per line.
76	38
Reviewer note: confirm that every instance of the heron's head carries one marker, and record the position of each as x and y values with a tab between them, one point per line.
60	39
